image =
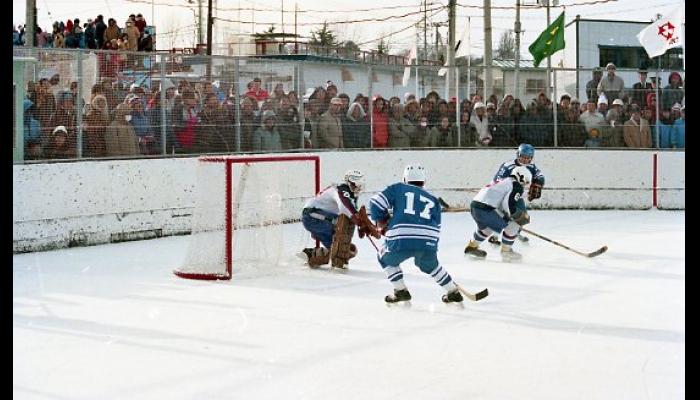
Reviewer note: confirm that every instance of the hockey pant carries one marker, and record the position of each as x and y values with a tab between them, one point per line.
426	260
321	225
489	222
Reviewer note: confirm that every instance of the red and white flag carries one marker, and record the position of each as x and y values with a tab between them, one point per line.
663	34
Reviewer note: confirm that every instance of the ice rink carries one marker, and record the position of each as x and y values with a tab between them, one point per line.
114	322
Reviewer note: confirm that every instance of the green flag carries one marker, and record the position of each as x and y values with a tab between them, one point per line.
549	42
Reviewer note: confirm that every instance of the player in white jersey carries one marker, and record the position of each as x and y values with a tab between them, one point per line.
524	156
332	215
498	208
412	231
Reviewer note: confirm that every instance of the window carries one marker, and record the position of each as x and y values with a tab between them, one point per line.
636	57
534	86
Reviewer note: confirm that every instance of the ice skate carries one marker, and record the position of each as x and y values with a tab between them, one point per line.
494	240
399	296
474	250
453	296
523	239
508	255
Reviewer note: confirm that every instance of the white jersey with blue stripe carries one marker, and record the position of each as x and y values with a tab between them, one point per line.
507	167
335	199
503	195
415	223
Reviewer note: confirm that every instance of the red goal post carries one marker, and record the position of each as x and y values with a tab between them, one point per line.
236	177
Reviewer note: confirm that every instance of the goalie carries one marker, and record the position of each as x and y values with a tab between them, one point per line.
523	157
331	218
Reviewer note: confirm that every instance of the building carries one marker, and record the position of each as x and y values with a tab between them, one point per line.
593	43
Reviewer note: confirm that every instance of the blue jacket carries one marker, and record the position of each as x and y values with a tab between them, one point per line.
665	132
678	134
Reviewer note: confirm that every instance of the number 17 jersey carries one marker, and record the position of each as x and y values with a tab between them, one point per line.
415	223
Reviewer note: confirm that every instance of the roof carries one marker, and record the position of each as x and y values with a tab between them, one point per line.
510	64
307	57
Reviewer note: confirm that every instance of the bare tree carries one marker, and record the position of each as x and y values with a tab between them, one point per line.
506	46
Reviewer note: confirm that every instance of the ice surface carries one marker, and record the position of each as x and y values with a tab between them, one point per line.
113	322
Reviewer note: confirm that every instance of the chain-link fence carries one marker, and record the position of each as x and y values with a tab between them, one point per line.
95	104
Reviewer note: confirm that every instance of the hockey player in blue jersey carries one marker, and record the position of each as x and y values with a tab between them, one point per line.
524	156
413	231
331	218
498	208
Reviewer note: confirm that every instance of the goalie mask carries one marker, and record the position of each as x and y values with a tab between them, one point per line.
414	173
522	175
355	179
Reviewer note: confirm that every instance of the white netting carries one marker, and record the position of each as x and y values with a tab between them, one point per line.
264	195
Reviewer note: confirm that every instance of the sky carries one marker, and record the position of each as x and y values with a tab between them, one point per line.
175	22
113	322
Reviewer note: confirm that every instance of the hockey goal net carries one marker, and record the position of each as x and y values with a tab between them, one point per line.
241	206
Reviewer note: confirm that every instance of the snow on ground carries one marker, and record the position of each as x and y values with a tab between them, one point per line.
113	322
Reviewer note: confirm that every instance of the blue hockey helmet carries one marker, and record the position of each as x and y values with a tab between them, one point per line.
526	150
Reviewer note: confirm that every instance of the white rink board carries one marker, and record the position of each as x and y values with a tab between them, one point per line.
62	204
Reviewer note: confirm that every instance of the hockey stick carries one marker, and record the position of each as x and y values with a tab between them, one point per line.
471	296
589	255
447	208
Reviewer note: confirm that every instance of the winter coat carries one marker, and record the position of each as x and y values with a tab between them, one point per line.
380	129
120	139
665	132
214	134
266	140
678	134
330	132
672	94
95	125
571	134
400	133
289	129
637	134
356	132
441	137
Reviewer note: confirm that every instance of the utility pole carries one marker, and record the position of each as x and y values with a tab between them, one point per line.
30	20
200	24
210	23
425	30
451	49
296	38
516	88
487	50
282	17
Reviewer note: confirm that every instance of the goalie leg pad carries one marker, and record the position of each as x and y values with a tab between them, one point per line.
342	248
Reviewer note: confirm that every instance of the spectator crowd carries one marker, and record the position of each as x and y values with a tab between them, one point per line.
93	34
201	117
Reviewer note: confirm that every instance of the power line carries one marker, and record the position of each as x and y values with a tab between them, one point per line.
337	22
586	3
291	11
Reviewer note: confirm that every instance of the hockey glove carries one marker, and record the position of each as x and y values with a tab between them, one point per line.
364	225
535	191
521	217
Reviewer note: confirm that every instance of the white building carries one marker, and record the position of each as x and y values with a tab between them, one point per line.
592	43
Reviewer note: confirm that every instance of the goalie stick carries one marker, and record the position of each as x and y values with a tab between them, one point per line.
471	296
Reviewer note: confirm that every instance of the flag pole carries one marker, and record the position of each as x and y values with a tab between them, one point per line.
658	100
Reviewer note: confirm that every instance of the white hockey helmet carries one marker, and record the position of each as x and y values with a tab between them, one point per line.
414	173
355	179
522	175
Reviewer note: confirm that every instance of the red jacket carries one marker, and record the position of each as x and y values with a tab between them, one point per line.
262	95
380	129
